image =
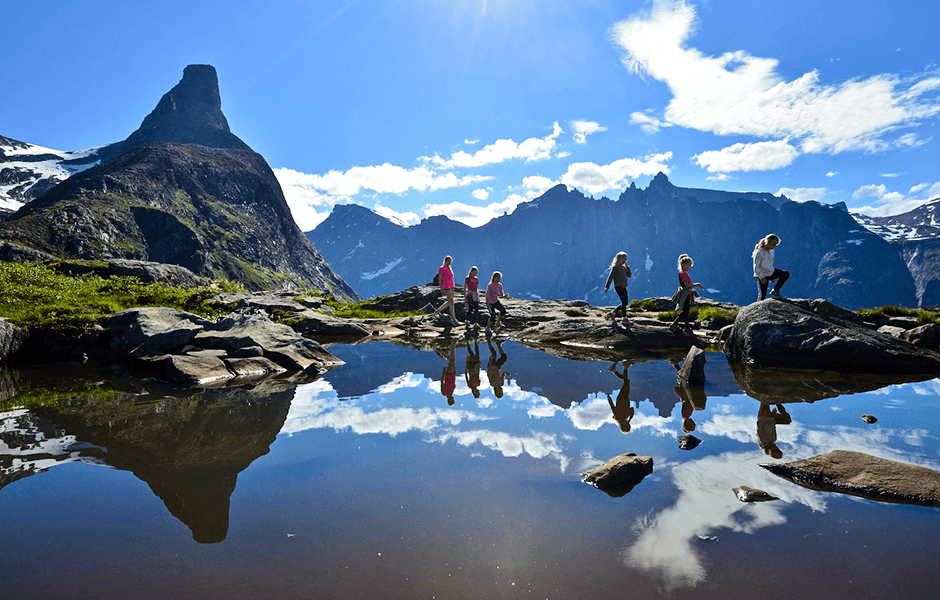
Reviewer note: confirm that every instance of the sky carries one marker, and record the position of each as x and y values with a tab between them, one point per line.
466	108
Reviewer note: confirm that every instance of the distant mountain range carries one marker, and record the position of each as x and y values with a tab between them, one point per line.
917	233
560	245
182	189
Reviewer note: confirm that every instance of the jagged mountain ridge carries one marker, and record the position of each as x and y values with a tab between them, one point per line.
917	234
560	245
184	190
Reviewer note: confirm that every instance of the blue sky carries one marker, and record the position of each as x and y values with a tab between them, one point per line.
468	107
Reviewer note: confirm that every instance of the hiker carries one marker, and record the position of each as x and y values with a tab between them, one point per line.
686	292
494	291
764	270
471	286
619	274
447	289
449	376
623	412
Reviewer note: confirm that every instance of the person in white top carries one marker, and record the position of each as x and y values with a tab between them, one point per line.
764	270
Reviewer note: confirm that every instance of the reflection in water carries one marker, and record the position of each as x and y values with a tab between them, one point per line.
622	410
389	466
767	421
189	449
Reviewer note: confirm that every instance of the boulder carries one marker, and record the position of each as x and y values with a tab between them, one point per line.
817	334
925	336
152	330
693	368
149	271
891	330
251	366
194	368
687	441
863	475
12	339
279	343
620	474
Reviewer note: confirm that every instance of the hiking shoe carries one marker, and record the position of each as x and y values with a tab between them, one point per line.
612	316
627	321
776	293
673	327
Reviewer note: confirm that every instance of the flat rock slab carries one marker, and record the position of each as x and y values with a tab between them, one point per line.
817	334
863	475
152	330
592	333
620	474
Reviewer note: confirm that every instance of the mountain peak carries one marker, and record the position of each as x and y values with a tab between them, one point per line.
190	113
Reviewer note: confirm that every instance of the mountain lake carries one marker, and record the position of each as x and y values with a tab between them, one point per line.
369	482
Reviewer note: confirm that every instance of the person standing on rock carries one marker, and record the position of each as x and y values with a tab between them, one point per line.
619	274
471	288
447	289
685	293
494	291
764	270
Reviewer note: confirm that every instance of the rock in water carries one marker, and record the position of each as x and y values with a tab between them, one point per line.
688	441
620	474
749	494
869	419
816	334
693	368
863	475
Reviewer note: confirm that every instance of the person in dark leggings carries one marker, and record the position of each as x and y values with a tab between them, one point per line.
619	275
686	292
764	270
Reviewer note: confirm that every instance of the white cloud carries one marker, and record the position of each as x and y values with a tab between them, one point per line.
832	173
894	203
582	129
870	191
648	123
474	216
500	151
596	179
405	218
739	94
803	194
480	194
758	156
890	175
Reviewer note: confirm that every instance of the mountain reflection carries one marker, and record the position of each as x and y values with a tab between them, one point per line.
188	448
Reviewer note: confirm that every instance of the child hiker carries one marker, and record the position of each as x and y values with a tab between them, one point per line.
494	291
471	287
619	274
685	293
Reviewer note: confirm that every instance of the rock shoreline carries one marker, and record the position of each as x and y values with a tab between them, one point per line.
274	332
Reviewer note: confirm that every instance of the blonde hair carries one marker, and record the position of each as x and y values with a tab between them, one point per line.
685	258
764	241
448	259
472	270
496	276
617	260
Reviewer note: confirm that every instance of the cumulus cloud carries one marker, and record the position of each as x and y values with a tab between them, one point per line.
471	215
595	179
802	194
529	150
740	94
480	194
582	129
758	156
884	202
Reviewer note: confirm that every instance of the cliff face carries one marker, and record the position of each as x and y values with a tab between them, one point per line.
560	246
182	190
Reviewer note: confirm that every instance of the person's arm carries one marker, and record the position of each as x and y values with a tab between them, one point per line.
609	278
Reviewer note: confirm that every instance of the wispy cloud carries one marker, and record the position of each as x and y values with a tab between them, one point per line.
740	94
500	151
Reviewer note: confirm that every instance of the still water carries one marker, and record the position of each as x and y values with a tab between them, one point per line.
412	473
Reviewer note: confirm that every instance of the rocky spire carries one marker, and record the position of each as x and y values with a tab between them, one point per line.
190	113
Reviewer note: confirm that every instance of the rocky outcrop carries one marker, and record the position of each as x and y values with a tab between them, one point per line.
863	475
12	339
187	349
819	335
618	476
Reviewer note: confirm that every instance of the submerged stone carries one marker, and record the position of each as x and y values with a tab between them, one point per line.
620	474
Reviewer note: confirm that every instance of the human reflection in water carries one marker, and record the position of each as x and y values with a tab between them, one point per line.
622	410
472	372
493	366
767	421
449	375
693	398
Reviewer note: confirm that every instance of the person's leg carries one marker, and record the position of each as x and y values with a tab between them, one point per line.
761	288
624	301
781	276
686	309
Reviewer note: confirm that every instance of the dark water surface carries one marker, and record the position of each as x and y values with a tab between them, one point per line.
367	483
